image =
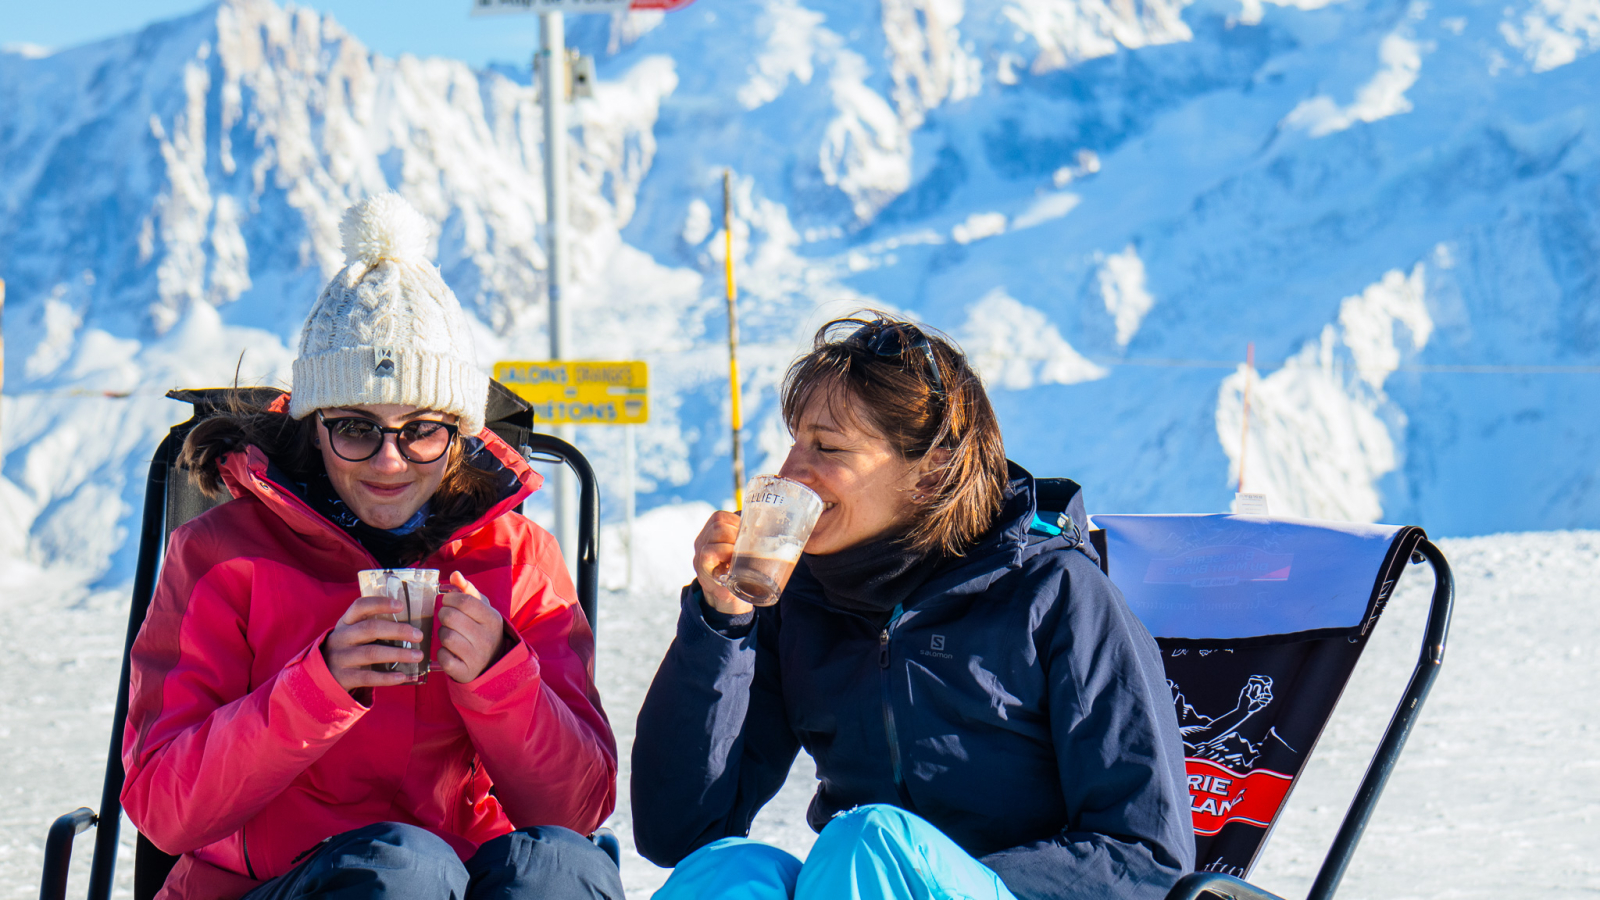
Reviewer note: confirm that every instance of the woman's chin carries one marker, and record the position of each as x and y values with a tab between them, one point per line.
385	517
820	545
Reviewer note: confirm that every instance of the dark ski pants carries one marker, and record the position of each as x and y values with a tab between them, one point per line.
390	861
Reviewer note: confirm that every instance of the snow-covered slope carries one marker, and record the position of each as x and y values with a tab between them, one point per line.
1105	202
1496	796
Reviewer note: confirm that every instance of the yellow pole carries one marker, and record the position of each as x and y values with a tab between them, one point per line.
733	338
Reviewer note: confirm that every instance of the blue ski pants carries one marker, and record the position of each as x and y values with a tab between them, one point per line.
402	862
873	852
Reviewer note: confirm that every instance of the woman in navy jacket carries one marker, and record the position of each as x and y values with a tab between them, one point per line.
986	715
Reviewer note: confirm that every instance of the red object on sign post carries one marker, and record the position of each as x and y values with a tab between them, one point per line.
661	5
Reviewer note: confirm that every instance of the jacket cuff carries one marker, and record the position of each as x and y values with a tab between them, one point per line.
307	681
697	621
729	626
510	675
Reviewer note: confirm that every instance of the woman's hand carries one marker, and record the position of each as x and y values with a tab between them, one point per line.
472	635
713	551
351	647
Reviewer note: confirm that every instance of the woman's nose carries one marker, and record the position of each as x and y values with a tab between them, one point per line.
388	458
794	467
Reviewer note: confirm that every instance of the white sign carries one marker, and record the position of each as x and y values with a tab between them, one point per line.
499	7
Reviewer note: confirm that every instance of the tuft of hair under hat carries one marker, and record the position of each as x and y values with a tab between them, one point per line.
382	227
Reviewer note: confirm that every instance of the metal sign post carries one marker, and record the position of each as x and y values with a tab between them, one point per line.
630	492
554	84
553	80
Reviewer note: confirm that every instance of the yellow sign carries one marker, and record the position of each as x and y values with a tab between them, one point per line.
580	393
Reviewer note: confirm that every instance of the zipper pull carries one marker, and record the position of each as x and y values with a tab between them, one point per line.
883	649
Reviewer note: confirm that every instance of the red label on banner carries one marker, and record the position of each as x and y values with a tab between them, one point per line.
662	5
1218	795
1219	567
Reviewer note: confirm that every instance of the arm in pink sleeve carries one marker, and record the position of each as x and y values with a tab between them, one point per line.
535	716
204	753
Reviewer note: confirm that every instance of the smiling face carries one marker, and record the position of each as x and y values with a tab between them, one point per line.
866	486
387	489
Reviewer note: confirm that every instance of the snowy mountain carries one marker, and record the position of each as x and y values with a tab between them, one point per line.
1397	202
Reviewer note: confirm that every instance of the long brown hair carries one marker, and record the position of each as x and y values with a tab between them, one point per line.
464	494
879	370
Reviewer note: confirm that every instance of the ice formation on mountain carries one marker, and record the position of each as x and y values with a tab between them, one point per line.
1122	279
1015	347
1319	427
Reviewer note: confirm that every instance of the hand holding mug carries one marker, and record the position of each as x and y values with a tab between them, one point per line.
713	552
352	649
472	634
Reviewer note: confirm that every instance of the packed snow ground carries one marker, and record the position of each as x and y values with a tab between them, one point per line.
1497	795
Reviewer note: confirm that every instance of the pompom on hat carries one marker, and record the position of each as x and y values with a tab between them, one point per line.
387	329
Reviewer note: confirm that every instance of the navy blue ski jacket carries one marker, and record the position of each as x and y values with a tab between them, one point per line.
1016	704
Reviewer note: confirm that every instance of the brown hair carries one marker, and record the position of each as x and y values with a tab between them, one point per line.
879	370
464	494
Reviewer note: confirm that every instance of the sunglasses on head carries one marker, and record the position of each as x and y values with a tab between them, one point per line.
893	340
357	439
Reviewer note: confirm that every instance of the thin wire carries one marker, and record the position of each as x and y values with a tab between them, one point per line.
1149	362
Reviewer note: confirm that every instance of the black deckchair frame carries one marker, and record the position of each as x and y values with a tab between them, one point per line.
515	422
1196	884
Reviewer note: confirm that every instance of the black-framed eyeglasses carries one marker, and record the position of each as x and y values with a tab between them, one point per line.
355	439
892	340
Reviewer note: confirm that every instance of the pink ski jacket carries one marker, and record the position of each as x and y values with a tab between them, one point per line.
242	751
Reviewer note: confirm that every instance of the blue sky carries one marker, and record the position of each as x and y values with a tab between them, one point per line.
390	27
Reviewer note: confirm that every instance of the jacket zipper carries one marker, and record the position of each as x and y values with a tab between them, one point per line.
888	716
244	847
466	790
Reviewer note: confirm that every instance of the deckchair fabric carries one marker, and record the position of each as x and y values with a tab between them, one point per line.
1220	577
1260	622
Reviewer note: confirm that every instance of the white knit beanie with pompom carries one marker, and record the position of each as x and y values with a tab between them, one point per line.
386	328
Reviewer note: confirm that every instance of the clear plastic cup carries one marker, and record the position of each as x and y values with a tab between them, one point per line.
419	590
776	522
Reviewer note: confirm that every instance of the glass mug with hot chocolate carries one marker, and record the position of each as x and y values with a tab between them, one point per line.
774	526
418	590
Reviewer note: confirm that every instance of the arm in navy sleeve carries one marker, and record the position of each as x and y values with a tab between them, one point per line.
713	743
1129	834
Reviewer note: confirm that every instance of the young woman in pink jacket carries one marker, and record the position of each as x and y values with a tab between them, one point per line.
266	742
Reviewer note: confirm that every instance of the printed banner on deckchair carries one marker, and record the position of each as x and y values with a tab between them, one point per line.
1249	717
1221	577
1219	795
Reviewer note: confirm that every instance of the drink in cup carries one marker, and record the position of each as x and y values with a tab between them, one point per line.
777	520
417	589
